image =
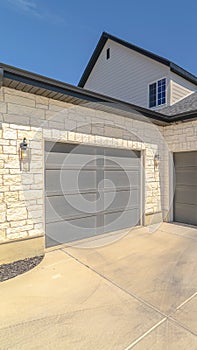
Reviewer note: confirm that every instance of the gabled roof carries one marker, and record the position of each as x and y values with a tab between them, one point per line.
103	39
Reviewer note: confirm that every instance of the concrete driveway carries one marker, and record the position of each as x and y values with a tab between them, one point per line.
118	292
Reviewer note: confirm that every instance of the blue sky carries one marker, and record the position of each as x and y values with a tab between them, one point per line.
56	38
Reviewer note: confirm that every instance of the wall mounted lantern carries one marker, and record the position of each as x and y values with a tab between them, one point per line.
24	155
156	160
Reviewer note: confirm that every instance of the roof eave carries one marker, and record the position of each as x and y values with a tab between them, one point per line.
36	80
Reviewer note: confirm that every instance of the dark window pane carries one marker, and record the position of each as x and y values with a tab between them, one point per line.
152	95
108	53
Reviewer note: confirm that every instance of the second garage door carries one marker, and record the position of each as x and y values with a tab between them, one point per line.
89	191
185	200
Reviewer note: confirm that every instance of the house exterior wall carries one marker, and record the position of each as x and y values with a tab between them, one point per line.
180	88
180	137
38	119
127	74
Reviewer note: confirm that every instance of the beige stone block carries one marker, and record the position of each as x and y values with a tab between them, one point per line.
71	136
36	129
79	137
47	133
42	106
36	186
9	133
40	201
27	179
36	232
13	171
18	213
39	227
10	149
42	100
61	104
18	230
20	127
23	133
35	168
38	178
18	187
11	197
4	142
36	152
12	162
56	134
1	95
56	125
70	125
4	171
1	197
4	188
13	143
11	179
3	107
16	118
2	213
31	194
33	214
30	135
18	223
20	100
25	111
17	235
17	204
36	145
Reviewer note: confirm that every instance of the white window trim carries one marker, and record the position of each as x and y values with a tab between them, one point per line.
152	82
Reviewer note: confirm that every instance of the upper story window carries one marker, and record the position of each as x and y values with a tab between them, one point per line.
157	93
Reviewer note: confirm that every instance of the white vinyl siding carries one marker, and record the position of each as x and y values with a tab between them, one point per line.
180	88
125	75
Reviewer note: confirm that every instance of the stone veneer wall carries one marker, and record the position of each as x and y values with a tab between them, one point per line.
38	118
180	137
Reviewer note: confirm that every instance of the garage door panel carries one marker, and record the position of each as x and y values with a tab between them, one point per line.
65	207
185	159
121	158
71	230
185	199
90	191
70	180
186	176
187	195
186	213
70	159
121	179
121	220
121	199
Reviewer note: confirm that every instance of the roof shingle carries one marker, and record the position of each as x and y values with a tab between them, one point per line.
187	104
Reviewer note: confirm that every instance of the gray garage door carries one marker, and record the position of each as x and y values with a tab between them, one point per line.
89	191
185	200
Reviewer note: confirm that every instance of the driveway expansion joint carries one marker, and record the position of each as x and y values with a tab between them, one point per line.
143	302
